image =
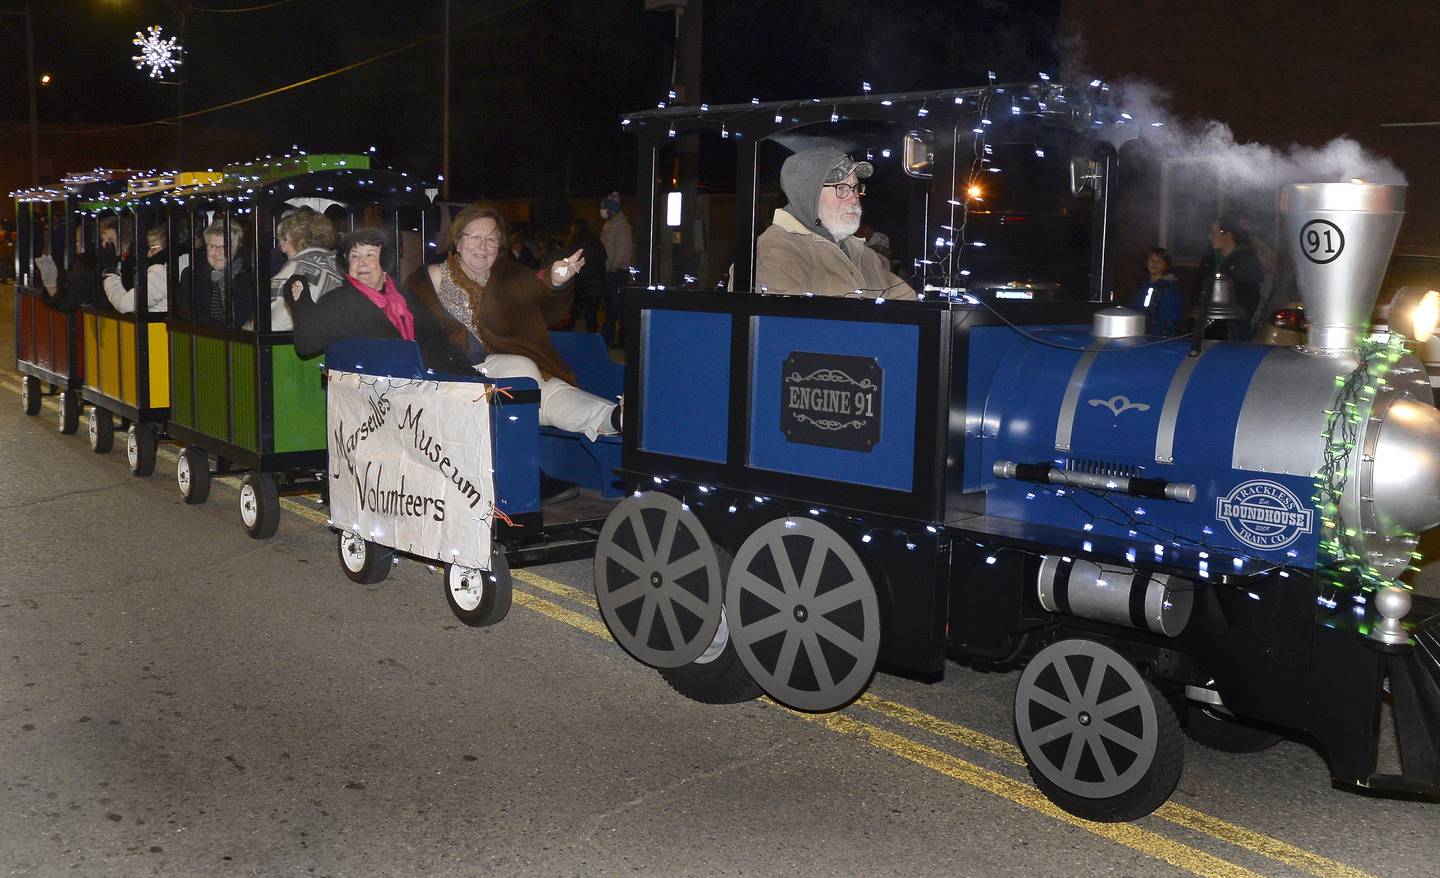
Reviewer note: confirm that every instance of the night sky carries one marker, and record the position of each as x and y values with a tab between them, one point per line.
538	86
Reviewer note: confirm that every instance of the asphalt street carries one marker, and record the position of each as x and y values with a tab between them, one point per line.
178	699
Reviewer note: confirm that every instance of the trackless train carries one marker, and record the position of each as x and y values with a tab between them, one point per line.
1166	536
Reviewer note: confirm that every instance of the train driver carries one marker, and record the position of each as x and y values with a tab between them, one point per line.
811	246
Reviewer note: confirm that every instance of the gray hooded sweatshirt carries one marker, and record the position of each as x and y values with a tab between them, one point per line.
797	254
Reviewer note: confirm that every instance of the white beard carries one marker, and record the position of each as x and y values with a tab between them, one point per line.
844	228
840	221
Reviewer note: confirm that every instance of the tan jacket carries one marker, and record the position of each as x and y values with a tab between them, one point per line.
790	258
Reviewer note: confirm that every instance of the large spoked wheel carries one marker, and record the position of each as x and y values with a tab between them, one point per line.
259	505
1211	728
803	614
68	413
100	429
363	561
192	474
140	449
1099	740
479	597
30	394
658	581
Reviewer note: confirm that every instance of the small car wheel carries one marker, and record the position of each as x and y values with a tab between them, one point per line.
140	449
479	597
192	474
363	561
259	505
30	394
69	412
100	428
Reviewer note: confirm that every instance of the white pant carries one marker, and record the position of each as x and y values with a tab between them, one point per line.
562	405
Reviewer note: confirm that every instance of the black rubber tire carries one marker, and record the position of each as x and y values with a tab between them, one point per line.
1214	730
721	681
143	462
30	394
69	412
263	519
101	430
495	598
194	463
373	565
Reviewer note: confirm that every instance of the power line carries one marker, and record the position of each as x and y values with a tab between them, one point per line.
245	9
173	120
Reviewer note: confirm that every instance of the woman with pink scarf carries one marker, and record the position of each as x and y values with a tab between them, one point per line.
368	305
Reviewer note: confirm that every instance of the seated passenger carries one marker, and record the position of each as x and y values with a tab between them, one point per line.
156	299
77	286
811	246
224	274
507	307
368	305
307	238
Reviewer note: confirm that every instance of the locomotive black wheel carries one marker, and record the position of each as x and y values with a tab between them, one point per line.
140	449
363	561
1213	729
479	597
717	676
30	394
658	582
192	474
68	412
259	505
803	614
100	429
1099	741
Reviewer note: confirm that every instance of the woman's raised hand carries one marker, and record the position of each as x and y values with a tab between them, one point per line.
564	269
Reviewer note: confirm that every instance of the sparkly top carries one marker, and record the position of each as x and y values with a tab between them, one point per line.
454	299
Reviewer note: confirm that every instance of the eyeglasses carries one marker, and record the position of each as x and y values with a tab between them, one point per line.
845	190
487	242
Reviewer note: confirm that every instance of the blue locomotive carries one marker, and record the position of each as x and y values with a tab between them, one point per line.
1168	536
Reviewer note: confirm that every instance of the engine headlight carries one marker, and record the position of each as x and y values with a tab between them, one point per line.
1415	311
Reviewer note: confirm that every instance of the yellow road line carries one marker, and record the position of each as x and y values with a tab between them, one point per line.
1146	842
944	728
558	588
1149	843
1255	842
1152	844
561	614
1180	815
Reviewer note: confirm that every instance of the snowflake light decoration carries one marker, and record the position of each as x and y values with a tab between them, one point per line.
156	52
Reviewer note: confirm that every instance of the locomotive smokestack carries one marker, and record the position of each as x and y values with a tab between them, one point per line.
1341	235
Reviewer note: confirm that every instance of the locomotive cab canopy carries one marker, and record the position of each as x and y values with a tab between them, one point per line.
998	191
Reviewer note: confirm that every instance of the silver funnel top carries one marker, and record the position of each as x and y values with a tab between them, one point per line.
1341	235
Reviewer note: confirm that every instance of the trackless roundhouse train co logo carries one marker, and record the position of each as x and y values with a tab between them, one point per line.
831	400
1264	515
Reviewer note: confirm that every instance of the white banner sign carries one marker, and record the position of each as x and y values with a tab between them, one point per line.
411	465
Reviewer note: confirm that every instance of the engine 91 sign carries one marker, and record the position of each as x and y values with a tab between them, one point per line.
831	400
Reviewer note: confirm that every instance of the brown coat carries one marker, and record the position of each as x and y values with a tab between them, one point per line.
790	258
512	314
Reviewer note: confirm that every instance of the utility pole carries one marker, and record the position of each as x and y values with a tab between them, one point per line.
445	113
688	31
34	112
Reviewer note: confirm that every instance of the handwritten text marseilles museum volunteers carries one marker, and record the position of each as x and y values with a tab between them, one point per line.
410	465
